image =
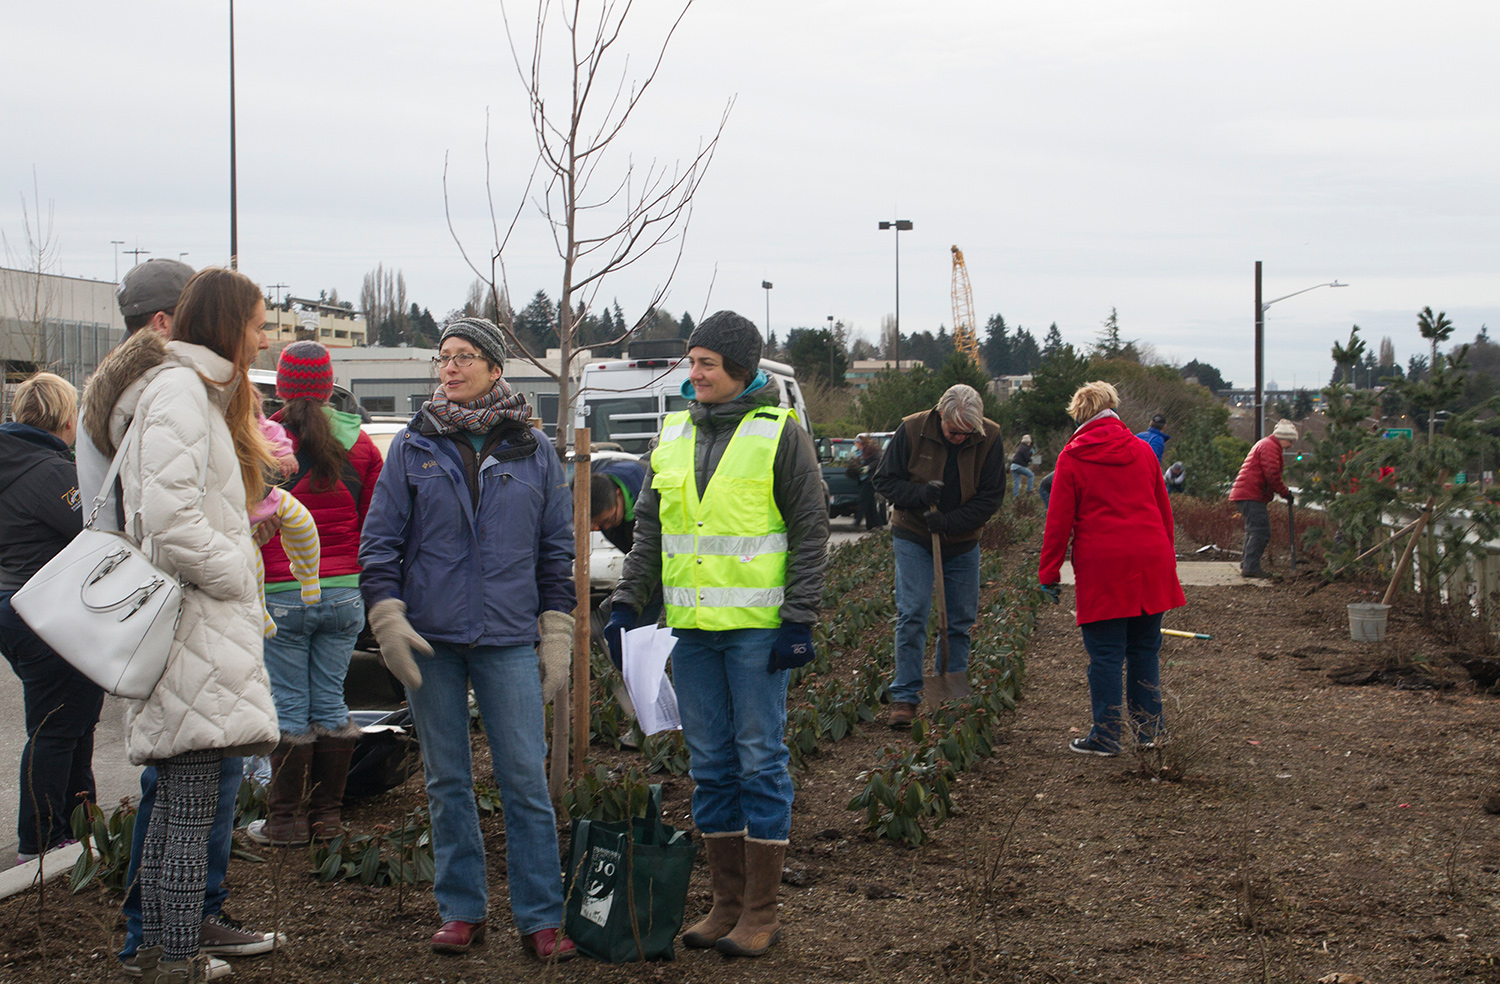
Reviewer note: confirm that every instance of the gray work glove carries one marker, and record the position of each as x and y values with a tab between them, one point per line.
555	653
397	639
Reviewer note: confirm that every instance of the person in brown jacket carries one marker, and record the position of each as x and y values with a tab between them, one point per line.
1259	481
944	472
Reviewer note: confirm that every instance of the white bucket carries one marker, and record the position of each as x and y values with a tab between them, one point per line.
1367	622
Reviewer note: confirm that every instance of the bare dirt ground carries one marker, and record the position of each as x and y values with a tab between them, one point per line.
1318	828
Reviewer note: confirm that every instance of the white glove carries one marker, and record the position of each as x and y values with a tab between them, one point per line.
397	639
555	653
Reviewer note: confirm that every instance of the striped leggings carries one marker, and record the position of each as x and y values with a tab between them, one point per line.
174	860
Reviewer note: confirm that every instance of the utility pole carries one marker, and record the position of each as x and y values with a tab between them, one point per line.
234	198
137	253
767	285
1260	350
117	243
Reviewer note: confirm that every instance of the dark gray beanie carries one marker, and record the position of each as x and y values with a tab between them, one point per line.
734	337
484	335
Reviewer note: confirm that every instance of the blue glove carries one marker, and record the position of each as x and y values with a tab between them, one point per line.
621	620
1053	592
937	522
794	647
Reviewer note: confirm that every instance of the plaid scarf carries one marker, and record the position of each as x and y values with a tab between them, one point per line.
477	416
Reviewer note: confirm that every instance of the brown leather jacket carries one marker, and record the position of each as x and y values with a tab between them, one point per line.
918	454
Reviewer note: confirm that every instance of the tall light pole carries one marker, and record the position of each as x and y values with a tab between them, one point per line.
900	225
1260	344
830	350
234	195
767	285
117	243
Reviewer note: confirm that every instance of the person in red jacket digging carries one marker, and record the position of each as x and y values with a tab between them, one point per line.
1108	498
1258	483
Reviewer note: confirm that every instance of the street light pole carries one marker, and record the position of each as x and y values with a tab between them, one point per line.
830	350
767	285
234	195
900	225
117	243
1260	341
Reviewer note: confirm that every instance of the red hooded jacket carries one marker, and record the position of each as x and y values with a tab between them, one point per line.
1259	479
1108	497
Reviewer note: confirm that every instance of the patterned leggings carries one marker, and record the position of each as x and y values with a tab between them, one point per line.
174	860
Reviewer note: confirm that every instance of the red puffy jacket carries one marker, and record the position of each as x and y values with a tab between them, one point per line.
339	514
1108	497
1259	479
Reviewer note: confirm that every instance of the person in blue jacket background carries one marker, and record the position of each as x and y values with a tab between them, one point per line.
1155	436
468	558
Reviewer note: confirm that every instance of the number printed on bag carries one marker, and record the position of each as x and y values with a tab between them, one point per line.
599	886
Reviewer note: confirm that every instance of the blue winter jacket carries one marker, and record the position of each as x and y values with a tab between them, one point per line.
470	576
1157	438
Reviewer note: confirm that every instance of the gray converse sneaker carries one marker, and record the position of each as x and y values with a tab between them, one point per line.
148	966
226	937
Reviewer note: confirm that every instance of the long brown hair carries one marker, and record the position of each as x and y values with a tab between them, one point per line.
314	432
213	311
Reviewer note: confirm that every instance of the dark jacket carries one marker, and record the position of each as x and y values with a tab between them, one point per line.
476	562
1108	499
1022	456
797	489
39	505
628	475
973	474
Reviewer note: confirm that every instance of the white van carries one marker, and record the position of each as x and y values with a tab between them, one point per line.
623	401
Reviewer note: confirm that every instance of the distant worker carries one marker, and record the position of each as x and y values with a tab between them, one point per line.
1176	478
1156	437
614	487
944	471
1020	466
868	451
1258	482
1044	490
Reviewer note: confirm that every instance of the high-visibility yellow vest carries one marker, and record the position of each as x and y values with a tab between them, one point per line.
723	555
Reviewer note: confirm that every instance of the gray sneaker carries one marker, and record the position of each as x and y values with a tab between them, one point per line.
210	968
225	937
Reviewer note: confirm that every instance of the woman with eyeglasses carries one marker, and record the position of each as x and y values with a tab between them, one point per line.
468	559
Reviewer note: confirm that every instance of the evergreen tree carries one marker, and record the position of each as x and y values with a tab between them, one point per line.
685	326
1025	355
995	350
1109	345
1206	375
1053	343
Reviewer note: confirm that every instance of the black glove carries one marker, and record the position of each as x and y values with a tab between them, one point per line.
1289	498
621	620
932	493
793	648
937	522
1053	592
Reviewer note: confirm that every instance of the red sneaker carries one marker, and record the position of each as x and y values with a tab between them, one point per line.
549	944
457	937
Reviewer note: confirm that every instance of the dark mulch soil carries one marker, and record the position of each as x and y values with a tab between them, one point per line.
1318	828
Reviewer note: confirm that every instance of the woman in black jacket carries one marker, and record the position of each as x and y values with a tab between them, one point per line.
39	515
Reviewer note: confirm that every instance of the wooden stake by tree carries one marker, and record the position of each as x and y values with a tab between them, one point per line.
602	218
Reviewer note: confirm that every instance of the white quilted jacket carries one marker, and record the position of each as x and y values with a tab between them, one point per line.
215	693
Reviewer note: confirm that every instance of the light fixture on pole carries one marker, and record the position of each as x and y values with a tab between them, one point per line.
767	285
117	243
900	225
830	350
1260	344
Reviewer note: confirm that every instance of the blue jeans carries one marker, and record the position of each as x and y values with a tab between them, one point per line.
734	722
220	842
1019	471
914	602
62	707
508	689
1131	644
308	657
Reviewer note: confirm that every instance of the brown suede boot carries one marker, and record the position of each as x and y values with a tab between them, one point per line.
329	772
285	824
726	872
757	931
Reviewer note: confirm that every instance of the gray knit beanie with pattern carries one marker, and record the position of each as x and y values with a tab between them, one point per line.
732	336
483	334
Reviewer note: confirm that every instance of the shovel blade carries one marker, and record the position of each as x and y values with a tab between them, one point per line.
946	686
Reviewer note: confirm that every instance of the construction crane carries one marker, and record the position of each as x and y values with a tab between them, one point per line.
964	338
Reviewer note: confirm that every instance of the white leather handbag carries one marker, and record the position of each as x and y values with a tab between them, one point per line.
103	606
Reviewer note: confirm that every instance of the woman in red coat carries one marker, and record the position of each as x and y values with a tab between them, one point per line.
1109	499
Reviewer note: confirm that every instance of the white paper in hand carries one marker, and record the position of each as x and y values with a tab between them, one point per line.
644	653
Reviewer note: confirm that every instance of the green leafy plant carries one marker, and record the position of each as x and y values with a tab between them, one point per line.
606	795
106	846
387	857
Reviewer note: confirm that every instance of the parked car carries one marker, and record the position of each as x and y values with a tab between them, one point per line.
842	471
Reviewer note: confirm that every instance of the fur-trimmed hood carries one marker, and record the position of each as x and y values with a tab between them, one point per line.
128	368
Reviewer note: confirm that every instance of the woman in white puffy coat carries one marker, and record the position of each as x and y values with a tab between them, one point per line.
193	415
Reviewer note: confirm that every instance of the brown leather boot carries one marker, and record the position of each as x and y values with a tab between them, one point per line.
757	930
726	872
285	824
329	772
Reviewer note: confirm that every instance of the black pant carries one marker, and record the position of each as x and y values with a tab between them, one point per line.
62	707
1257	534
868	512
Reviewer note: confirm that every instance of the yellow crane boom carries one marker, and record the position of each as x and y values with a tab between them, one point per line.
965	339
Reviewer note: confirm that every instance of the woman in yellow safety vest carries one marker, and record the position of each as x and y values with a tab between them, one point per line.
732	523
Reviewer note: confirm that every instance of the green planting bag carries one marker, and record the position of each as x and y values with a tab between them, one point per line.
626	886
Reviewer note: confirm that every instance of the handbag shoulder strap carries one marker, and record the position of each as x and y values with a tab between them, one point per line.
114	472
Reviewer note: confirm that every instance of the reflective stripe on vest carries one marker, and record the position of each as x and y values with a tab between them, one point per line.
724	554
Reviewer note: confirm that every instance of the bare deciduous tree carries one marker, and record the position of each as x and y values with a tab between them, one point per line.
382	297
31	295
603	216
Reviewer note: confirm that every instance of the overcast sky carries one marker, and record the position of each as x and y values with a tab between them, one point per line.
1084	155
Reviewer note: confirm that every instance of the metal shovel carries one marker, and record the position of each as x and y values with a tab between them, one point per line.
1291	525
944	686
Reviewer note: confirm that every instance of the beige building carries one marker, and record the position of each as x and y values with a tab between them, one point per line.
1005	387
862	371
299	319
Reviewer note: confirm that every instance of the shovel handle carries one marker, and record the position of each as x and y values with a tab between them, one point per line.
942	599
